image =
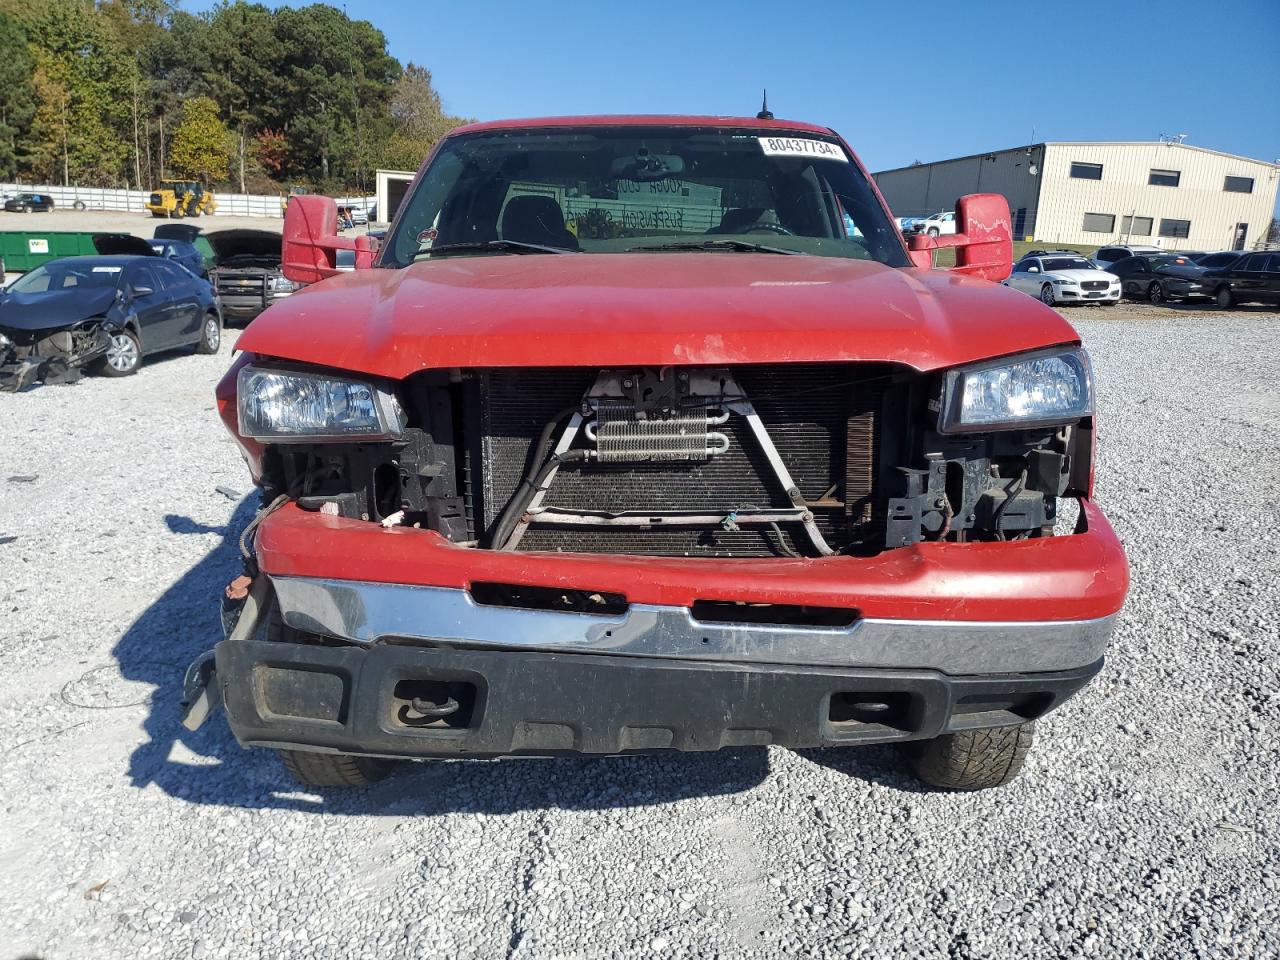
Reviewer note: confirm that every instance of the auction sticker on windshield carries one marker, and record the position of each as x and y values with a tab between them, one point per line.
800	147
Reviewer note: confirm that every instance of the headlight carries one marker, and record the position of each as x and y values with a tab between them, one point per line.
1065	283
284	406
5	341
281	285
1043	388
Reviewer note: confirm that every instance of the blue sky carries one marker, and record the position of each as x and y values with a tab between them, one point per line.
902	81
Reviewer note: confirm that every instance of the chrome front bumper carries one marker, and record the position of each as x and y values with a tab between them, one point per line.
365	613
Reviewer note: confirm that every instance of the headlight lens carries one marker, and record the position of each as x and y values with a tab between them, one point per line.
281	285
282	406
1039	389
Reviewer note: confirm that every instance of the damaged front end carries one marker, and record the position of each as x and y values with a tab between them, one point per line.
51	356
785	460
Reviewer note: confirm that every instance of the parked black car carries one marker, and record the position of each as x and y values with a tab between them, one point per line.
103	314
29	202
1158	277
1216	261
1251	278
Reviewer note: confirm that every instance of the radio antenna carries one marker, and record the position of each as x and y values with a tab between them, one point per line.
765	113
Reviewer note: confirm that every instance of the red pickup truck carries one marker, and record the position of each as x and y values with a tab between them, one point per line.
652	433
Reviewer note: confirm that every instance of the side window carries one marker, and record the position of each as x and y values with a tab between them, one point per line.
1255	262
143	276
1274	265
1110	254
172	274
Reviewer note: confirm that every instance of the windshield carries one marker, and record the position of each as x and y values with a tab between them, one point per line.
1068	263
65	276
1171	260
617	189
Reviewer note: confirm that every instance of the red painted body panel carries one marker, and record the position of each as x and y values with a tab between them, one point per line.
1077	577
649	309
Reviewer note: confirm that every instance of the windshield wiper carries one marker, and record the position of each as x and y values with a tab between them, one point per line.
733	246
482	246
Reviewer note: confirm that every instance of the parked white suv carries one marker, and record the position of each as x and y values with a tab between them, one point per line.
940	224
1064	278
1104	257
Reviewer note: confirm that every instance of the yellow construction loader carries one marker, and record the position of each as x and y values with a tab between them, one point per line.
180	198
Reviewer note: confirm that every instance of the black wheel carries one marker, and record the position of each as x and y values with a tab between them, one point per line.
974	759
210	334
124	356
78	205
1046	295
933	231
1224	299
177	213
334	769
1155	293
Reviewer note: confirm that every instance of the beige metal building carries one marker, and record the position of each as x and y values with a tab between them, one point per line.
391	187
1166	194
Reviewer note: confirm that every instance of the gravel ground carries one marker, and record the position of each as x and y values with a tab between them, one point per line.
1145	824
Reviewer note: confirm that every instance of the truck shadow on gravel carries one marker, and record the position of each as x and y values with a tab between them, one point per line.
208	767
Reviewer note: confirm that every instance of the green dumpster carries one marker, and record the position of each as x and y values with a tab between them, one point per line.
23	250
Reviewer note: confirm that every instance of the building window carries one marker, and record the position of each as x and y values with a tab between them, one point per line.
1164	178
1099	222
1136	226
1086	171
1238	185
1175	228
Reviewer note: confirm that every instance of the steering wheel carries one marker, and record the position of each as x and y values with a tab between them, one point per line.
769	228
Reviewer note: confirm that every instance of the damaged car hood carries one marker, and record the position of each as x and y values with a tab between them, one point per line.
57	308
649	310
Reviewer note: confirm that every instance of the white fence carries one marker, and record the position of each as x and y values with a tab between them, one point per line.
134	201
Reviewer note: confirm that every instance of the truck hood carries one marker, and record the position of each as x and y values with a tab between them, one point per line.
649	310
51	310
256	244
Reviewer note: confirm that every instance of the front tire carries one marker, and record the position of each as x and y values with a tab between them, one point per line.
124	355
334	769
972	759
933	231
1224	299
1155	293
1046	295
210	335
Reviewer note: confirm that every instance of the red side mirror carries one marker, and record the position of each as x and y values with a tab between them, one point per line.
311	241
983	238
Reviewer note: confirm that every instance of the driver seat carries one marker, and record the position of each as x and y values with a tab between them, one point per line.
536	220
738	220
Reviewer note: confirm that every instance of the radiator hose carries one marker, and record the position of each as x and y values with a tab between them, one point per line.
540	467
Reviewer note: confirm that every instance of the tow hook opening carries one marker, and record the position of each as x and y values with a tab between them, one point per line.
443	704
860	709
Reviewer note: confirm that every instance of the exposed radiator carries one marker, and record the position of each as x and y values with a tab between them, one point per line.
824	420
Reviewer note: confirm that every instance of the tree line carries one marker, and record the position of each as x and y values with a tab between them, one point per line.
129	92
